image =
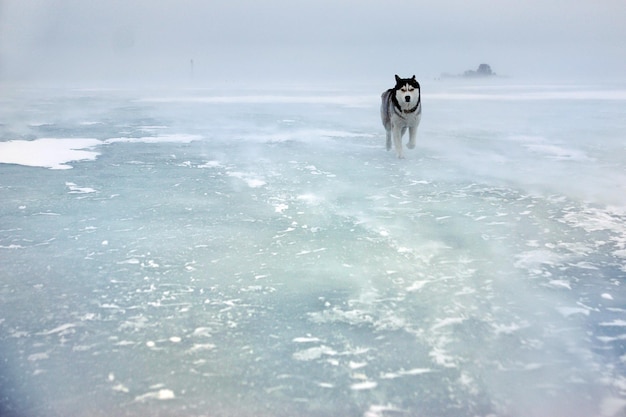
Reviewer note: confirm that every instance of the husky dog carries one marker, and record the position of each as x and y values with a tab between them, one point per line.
401	108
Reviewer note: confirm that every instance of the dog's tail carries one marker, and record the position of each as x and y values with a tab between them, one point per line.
385	105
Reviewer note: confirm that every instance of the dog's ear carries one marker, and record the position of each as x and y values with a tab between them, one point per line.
398	79
413	77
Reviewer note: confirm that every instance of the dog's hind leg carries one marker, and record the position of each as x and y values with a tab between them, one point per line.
388	139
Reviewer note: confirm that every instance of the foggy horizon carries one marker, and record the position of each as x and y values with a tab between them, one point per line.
119	43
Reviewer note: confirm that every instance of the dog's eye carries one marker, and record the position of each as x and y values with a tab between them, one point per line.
403	90
411	89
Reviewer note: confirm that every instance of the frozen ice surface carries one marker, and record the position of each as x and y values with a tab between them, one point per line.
214	254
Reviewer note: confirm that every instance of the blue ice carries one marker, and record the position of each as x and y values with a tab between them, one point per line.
199	253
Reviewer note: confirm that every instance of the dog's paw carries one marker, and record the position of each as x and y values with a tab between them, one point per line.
388	145
410	145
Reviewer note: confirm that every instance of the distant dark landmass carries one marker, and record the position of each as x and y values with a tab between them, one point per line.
483	71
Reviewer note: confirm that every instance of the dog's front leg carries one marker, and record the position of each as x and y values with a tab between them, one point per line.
412	135
397	141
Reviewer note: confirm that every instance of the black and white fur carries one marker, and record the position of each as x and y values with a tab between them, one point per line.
401	109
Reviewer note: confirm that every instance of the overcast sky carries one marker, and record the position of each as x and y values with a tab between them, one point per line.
147	40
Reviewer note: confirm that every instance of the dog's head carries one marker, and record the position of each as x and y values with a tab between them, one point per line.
407	91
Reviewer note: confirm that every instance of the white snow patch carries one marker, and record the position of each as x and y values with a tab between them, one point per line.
305	340
508	328
280	207
11	246
249	179
559	283
120	388
309	198
441	357
620	323
200	347
570	311
381	411
202	332
341	100
447	322
535	258
357	365
162	394
611	407
56	153
210	164
416	286
306	252
175	138
402	372
60	329
554	94
38	356
360	386
53	153
75	189
557	152
313	353
620	253
131	261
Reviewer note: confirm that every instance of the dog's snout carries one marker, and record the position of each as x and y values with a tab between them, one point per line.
407	98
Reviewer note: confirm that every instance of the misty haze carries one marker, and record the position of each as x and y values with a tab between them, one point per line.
198	215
